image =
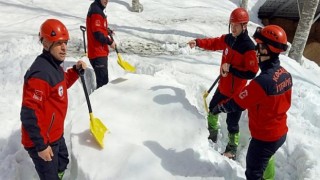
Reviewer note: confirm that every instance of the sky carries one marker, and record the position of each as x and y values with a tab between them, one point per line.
156	117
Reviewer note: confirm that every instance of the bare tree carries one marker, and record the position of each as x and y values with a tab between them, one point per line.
136	6
301	36
244	4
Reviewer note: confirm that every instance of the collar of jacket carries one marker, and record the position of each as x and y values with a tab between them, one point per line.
56	63
99	4
241	36
272	62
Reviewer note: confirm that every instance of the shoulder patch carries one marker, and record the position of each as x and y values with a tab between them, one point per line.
226	51
97	23
243	94
37	95
252	62
60	91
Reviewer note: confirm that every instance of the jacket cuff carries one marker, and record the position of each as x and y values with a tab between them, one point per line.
197	42
41	147
231	69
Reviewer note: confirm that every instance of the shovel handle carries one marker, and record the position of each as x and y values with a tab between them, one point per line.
206	93
83	29
116	49
214	83
81	73
116	45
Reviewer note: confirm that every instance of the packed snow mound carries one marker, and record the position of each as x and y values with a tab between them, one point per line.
156	124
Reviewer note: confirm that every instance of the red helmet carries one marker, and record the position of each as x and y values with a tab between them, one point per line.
273	36
239	15
53	30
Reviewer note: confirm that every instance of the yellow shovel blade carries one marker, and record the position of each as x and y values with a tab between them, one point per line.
98	129
205	95
125	65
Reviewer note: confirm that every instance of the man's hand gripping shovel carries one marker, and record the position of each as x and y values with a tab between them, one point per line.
124	64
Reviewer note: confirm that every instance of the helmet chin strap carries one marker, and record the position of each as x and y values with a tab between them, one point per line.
269	53
50	46
243	30
259	54
46	45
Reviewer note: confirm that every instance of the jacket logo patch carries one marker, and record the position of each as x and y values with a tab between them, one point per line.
37	95
243	94
252	63
98	23
60	91
226	51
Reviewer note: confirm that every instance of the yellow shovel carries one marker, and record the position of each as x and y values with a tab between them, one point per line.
124	64
206	93
97	128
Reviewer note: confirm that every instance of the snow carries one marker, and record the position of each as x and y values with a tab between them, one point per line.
156	116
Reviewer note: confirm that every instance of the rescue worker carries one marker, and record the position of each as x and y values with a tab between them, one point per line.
238	64
45	102
99	40
268	99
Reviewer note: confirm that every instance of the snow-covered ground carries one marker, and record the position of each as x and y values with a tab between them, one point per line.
156	117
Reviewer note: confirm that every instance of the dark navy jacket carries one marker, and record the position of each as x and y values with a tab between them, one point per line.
267	98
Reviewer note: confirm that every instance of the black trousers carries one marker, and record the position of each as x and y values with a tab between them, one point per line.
48	170
258	155
232	118
100	66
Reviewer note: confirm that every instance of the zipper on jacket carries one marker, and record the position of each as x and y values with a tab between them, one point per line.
50	126
235	39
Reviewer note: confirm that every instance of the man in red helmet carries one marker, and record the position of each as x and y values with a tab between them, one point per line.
45	102
238	64
99	40
267	98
